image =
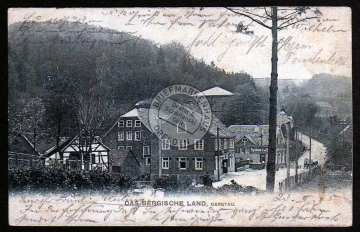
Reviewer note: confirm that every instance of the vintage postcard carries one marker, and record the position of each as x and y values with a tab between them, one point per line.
219	116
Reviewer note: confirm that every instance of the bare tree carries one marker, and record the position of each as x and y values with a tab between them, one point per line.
274	19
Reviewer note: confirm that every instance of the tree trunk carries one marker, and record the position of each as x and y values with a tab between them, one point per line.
270	169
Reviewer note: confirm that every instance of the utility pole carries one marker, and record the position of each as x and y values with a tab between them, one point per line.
270	177
310	155
160	163
288	153
218	152
296	154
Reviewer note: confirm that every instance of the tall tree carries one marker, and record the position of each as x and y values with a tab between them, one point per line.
61	107
245	107
280	19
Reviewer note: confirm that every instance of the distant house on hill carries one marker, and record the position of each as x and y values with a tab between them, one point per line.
326	110
251	144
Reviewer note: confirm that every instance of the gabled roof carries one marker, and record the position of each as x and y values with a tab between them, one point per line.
324	104
216	91
68	141
118	156
224	132
253	133
143	115
132	113
19	142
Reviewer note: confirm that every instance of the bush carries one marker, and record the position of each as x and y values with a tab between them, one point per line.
167	183
57	179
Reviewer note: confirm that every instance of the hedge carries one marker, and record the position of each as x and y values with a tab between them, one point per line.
57	179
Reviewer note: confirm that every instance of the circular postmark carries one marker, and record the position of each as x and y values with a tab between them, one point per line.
179	115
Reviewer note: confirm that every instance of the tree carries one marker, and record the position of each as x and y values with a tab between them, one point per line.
280	19
245	107
61	107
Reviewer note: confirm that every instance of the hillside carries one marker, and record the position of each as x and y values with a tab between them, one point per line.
71	64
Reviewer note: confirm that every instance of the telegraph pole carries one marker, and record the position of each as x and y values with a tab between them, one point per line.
310	155
296	154
270	168
288	153
218	152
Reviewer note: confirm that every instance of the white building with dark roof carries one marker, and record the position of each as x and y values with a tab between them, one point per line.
251	144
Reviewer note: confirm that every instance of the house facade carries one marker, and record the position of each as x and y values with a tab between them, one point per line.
132	131
218	99
156	155
187	161
251	144
83	152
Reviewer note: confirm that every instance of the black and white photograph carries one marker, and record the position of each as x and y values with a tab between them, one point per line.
180	116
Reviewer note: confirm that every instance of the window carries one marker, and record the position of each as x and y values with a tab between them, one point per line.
166	144
183	144
121	136
165	163
199	163
225	144
231	143
183	163
137	123
121	123
137	135
199	144
128	147
244	140
146	150
128	123
120	147
181	127
223	106
128	135
216	146
147	160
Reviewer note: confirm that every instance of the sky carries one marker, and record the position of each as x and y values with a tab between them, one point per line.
321	45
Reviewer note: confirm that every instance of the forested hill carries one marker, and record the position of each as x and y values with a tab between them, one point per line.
124	66
70	75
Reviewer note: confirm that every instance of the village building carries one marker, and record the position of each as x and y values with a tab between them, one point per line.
326	110
251	145
218	99
156	156
124	161
22	152
83	152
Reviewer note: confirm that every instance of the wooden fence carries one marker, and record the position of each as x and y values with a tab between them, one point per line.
22	160
303	178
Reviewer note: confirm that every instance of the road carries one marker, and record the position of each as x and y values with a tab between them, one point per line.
257	178
318	150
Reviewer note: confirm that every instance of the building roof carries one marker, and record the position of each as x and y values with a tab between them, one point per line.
65	142
324	104
216	91
132	113
118	156
18	142
253	133
143	115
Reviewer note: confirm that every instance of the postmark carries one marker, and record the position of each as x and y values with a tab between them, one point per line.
178	113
